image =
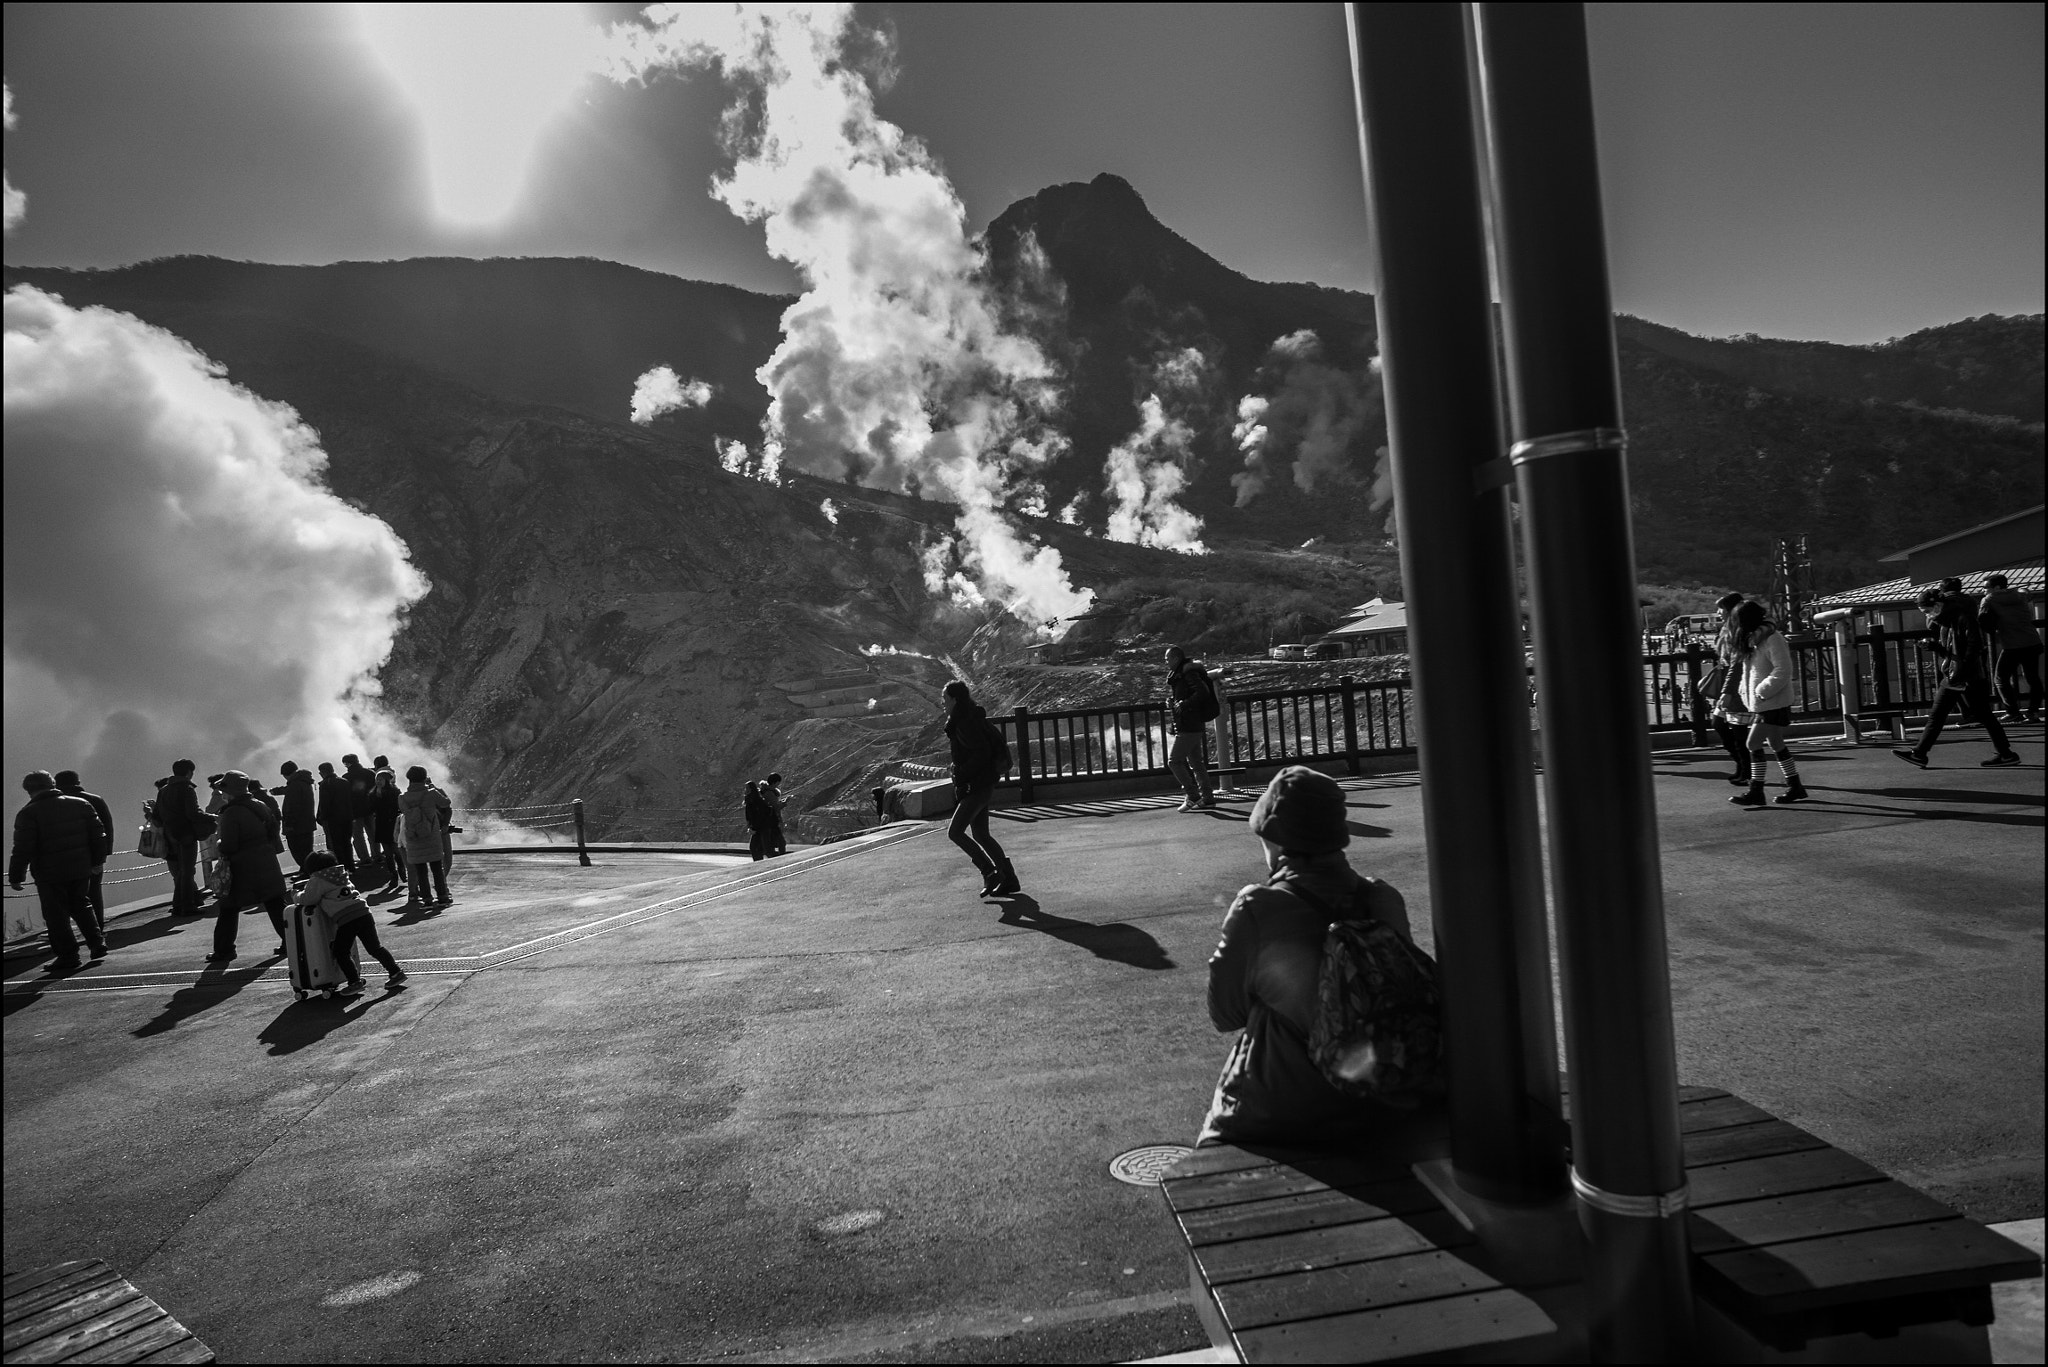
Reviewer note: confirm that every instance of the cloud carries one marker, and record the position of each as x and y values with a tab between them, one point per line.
1308	425
661	391
895	369
178	580
17	202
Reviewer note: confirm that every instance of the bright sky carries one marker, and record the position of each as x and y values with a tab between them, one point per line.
1831	171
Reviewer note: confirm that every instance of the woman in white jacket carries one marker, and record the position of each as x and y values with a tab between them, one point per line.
1765	662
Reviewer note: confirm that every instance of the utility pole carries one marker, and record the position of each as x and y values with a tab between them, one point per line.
1564	400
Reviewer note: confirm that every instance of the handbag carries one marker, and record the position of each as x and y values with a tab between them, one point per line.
149	841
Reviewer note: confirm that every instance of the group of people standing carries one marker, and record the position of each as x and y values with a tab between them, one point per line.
764	803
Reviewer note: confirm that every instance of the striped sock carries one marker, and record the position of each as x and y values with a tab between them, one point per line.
1789	765
1756	768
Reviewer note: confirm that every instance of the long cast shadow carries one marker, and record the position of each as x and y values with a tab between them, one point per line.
1121	943
1921	813
308	1022
214	986
1954	795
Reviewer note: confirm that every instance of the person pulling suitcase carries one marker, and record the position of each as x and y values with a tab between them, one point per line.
329	894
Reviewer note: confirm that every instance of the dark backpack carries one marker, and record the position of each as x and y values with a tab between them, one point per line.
1000	760
757	811
1378	1028
1207	705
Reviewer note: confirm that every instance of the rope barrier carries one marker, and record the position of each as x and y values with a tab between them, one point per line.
538	807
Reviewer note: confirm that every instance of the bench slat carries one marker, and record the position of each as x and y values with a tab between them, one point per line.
1811	1274
1353	1286
1216	1158
1687	1096
1306	1250
1260	1184
107	1331
23	1282
1809	1215
57	1292
1719	1113
1402	1331
1780	1175
1738	1142
165	1340
1311	1210
97	1300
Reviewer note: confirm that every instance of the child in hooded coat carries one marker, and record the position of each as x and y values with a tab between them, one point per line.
329	892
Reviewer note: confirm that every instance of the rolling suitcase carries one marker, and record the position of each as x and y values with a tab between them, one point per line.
309	953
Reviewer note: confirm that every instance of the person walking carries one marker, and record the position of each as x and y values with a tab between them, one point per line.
423	812
975	744
1721	689
1187	754
773	800
2017	642
184	825
296	812
362	785
1264	975
1763	662
209	847
1964	673
384	827
335	814
69	784
58	838
756	812
249	846
329	892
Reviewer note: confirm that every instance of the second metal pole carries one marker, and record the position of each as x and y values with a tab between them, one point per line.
1464	630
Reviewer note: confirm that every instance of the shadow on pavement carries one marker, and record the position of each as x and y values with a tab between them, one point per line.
1955	795
1987	818
1118	942
215	986
309	1022
414	914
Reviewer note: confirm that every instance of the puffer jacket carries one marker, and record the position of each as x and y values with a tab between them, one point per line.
57	837
1767	677
423	813
329	893
298	805
177	808
2015	619
1262	981
1189	686
973	756
248	842
336	805
1959	643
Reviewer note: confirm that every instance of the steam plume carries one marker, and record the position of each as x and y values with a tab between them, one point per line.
894	368
1309	424
178	581
661	391
17	202
1146	472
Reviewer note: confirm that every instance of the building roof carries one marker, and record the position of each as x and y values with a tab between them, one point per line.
1383	618
1904	592
2015	539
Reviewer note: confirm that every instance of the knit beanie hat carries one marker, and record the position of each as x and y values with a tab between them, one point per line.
1302	811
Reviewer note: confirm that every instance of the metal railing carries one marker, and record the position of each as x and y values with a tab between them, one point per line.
1284	726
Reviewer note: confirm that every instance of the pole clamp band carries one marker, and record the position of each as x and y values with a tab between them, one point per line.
1568	444
1638	1207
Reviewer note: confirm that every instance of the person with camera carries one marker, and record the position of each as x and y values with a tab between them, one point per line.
1965	673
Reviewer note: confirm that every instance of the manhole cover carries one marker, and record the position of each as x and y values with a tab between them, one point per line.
1145	1167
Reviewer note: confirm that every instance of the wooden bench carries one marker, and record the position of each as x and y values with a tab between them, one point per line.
86	1312
1891	717
1222	769
1317	1257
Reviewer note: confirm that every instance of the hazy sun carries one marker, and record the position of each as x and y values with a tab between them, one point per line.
484	79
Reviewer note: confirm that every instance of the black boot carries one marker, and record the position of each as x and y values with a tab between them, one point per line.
1795	791
1753	798
991	878
1006	880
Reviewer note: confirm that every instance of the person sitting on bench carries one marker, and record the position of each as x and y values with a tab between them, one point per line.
1262	977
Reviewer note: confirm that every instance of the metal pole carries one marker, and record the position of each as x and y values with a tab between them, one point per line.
582	853
1023	720
1436	340
1565	405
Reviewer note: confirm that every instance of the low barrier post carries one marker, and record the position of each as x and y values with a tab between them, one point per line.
1347	686
1023	719
582	852
1695	712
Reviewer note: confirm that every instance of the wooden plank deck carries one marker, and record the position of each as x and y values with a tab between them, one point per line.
86	1312
1308	1257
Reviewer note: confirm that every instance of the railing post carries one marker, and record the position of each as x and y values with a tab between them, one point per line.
1023	720
1880	667
1348	686
1694	712
582	851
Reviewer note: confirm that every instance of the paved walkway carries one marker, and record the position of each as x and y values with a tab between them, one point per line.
834	1107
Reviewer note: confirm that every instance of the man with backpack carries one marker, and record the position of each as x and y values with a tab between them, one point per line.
176	809
1318	969
1194	706
980	756
773	800
71	785
1965	673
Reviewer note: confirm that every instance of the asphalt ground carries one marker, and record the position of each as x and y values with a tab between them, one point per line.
836	1108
